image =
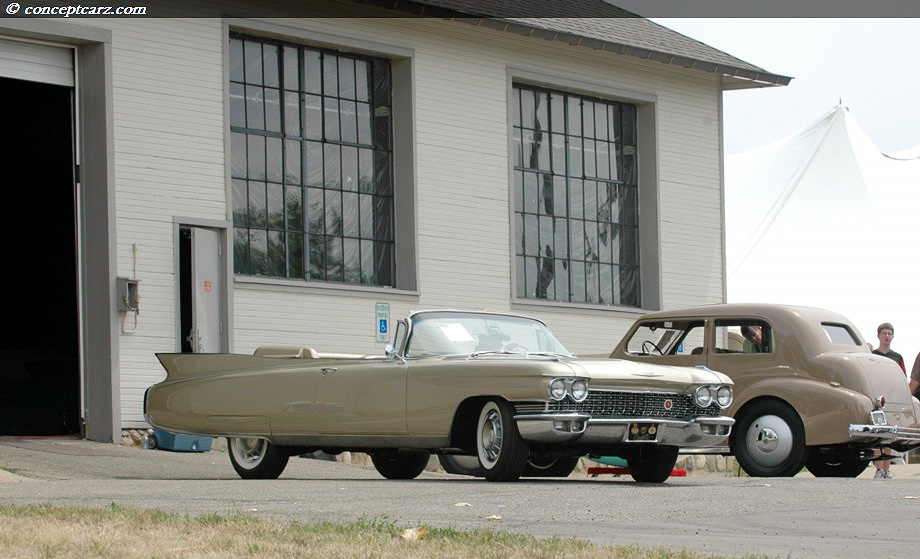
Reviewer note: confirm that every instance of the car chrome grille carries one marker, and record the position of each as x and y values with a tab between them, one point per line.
615	405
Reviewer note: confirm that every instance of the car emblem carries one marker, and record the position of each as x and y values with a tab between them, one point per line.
668	404
648	374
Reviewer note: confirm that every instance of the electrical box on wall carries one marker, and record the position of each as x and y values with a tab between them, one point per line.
128	296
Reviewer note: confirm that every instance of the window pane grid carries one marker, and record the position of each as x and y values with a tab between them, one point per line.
311	165
575	198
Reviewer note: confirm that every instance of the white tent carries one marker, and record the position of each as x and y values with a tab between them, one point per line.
822	218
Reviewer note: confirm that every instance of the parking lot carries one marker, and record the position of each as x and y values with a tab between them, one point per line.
800	517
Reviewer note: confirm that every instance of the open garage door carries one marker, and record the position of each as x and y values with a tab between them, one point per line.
39	352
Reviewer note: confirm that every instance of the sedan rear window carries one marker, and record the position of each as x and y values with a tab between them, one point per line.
840	334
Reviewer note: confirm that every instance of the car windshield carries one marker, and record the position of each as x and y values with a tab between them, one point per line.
667	337
457	333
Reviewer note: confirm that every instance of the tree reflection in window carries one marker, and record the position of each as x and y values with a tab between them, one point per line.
311	163
575	198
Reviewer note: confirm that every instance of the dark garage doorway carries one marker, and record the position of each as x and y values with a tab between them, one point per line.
39	352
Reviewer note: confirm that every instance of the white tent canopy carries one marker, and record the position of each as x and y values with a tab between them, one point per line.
822	218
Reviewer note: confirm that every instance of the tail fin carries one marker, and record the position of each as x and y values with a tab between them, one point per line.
189	365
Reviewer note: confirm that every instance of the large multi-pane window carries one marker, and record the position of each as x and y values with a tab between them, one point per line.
575	198
311	163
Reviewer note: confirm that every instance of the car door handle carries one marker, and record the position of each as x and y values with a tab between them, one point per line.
329	370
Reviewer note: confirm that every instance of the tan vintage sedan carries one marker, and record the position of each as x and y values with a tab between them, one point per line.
807	390
497	387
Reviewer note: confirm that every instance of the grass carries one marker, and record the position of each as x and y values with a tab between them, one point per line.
49	532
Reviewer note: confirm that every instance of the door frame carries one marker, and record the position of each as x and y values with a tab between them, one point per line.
96	263
225	265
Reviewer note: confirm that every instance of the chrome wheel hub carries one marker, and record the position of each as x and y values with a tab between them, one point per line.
769	440
490	436
248	451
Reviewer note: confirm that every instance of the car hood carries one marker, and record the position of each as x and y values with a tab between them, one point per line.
629	374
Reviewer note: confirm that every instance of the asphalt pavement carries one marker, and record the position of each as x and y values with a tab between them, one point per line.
800	517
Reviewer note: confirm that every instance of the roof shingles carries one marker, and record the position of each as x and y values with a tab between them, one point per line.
595	24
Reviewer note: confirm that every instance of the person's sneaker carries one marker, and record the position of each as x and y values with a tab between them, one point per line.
879	474
889	475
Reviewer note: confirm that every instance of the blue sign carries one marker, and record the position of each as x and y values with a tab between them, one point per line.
382	312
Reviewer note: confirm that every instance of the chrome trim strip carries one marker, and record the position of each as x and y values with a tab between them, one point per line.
541	428
893	433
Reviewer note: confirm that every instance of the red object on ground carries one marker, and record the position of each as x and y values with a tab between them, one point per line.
623	471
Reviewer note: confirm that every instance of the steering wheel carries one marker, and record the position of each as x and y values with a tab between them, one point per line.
649	348
512	345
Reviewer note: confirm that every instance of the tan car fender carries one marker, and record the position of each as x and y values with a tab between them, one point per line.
827	411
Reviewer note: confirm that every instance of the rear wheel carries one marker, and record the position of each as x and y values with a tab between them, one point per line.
825	465
256	458
652	463
501	450
769	440
543	466
461	465
400	466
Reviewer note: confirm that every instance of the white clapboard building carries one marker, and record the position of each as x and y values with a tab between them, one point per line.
221	181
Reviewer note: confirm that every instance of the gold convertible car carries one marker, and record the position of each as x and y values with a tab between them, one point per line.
807	390
498	388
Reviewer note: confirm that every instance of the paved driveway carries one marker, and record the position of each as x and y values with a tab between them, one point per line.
799	517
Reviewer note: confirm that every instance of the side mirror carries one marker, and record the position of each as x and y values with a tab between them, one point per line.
390	350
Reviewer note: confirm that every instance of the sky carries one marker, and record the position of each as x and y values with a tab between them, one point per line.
871	64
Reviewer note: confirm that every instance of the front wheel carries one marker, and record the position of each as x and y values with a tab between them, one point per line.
823	465
400	466
256	458
652	463
501	450
769	440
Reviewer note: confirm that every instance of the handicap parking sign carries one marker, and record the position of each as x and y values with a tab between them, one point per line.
382	313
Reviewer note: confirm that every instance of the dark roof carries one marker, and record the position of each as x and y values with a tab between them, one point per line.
594	24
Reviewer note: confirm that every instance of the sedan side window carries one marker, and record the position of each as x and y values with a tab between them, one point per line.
743	336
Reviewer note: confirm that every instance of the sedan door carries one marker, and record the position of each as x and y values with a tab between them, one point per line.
361	397
747	363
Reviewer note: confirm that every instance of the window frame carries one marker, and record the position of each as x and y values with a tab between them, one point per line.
405	241
769	337
646	104
283	135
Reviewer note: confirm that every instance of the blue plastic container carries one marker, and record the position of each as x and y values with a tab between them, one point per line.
181	443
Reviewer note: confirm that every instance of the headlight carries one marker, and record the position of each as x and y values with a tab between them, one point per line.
724	396
579	389
703	396
557	389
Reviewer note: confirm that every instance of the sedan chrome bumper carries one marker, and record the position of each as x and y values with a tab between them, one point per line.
580	427
887	433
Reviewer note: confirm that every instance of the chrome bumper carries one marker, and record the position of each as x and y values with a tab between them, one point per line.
887	433
570	427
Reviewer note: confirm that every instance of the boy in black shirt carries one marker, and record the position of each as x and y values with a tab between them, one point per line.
885	333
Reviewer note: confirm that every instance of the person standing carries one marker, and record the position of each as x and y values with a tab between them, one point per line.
885	335
885	332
